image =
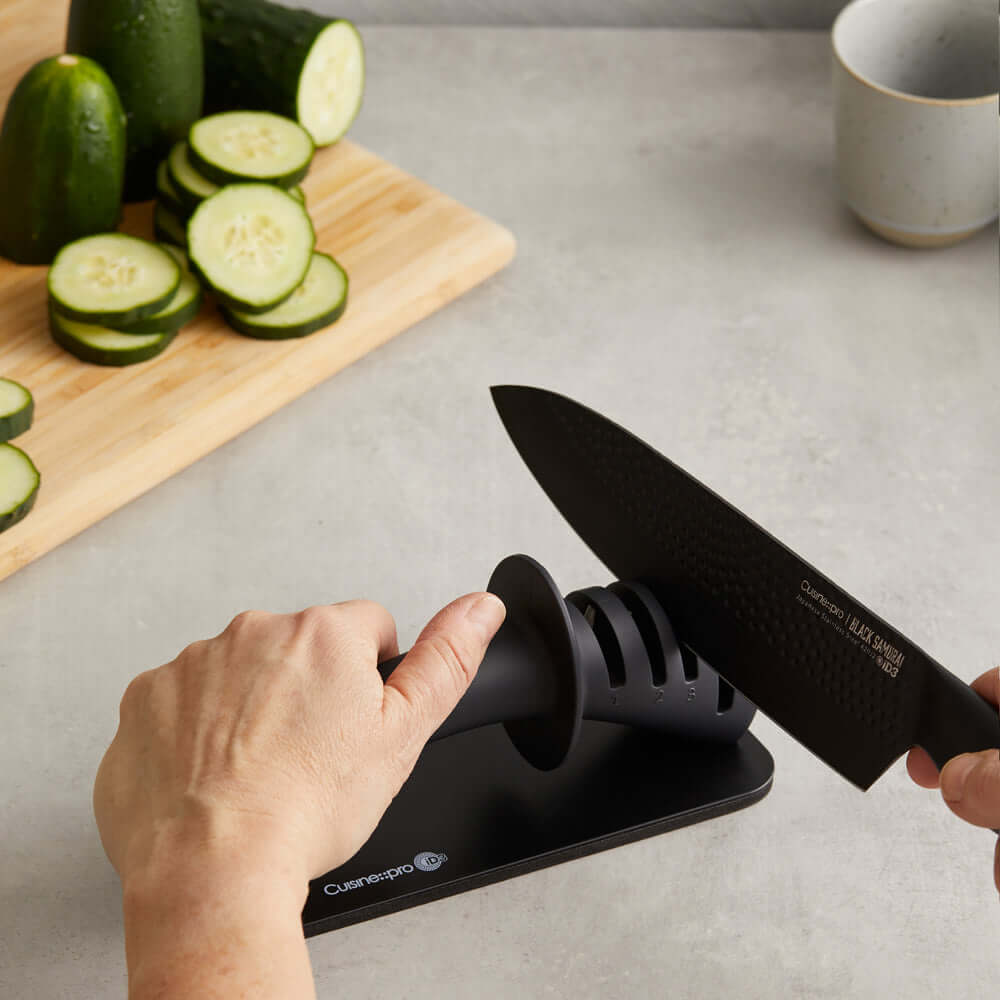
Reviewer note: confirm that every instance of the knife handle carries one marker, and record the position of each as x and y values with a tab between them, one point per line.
955	719
607	654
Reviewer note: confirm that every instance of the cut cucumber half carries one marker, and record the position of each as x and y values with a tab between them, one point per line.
101	345
17	408
298	194
251	244
19	482
319	301
112	279
181	309
166	193
265	57
239	146
168	228
332	82
191	187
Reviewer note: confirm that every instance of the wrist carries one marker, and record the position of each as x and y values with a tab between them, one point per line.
205	903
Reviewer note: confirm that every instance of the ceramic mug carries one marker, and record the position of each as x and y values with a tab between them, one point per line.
915	110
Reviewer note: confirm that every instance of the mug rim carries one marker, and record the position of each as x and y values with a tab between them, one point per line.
946	102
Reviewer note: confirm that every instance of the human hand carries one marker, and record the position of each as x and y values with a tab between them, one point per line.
970	782
261	758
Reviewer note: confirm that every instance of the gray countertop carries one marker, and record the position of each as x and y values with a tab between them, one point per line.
684	267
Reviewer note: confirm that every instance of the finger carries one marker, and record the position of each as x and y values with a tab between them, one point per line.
988	685
970	784
921	768
428	682
919	765
371	622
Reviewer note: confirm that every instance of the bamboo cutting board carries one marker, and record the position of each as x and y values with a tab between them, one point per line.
102	436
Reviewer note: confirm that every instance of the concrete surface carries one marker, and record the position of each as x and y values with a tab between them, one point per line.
685	268
579	13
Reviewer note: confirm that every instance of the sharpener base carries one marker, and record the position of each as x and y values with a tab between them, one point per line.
475	812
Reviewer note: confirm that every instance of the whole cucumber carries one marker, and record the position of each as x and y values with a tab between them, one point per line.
62	158
152	51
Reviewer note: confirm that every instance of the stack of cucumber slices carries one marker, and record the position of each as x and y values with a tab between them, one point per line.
230	218
19	479
229	195
118	300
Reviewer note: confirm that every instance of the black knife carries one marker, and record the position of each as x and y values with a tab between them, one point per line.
825	668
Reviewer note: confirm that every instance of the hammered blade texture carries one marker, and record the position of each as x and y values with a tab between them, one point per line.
734	593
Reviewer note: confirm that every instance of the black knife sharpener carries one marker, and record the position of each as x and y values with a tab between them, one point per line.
587	726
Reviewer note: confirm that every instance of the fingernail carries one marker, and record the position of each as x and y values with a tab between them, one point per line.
488	611
955	775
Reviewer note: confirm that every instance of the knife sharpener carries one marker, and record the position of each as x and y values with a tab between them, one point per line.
587	726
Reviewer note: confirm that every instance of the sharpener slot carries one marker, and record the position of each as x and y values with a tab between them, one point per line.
726	696
690	662
645	623
605	634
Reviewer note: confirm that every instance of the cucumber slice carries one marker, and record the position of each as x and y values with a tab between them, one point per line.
17	408
19	482
101	345
181	309
298	194
166	193
319	301
239	146
168	228
191	186
112	278
251	244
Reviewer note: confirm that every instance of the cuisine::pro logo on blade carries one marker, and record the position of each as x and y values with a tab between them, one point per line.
425	861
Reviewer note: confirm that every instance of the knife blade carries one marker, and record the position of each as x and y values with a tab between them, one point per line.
828	670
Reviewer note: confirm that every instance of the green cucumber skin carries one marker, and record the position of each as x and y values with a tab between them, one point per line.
170	324
152	51
254	54
162	233
21	511
62	159
121	317
284	333
227	301
175	208
95	356
170	201
216	175
17	423
189	200
167	324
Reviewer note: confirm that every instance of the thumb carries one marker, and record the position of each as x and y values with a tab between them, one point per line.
970	784
428	682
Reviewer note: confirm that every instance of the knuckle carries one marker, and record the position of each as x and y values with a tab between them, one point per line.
245	620
454	658
136	693
317	617
194	649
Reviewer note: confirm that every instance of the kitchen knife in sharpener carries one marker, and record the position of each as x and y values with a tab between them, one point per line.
603	653
831	672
